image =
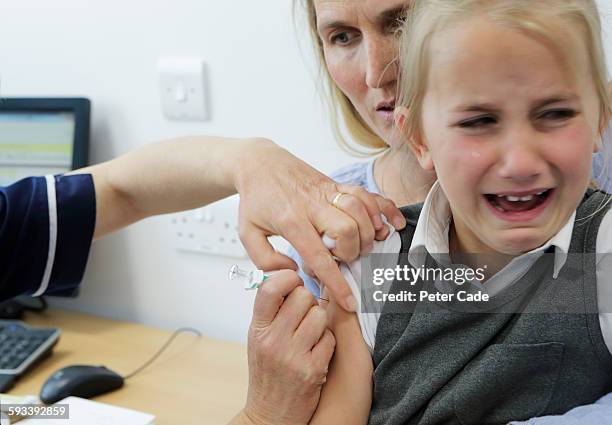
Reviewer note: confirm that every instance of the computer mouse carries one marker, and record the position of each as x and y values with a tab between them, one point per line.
80	381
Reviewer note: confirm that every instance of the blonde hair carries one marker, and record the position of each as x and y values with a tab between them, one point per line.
426	17
345	119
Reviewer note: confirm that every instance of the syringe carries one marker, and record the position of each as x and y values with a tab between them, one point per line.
252	279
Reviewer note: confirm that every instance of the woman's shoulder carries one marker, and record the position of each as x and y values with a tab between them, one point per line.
357	174
604	234
602	161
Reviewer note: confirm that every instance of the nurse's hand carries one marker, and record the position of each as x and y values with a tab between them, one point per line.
282	195
289	349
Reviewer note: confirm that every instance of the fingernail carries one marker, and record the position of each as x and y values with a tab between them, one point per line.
350	303
399	222
377	220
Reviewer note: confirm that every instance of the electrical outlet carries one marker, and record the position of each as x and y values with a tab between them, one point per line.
207	231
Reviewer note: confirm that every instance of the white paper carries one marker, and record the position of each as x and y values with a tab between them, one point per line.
87	412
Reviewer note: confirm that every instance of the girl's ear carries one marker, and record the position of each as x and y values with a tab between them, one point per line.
417	144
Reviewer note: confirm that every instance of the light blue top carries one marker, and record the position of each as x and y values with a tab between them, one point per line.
592	414
362	174
601	173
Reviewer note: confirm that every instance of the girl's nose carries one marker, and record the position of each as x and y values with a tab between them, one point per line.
381	61
520	158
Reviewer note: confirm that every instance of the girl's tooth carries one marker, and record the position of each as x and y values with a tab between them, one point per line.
520	198
517	198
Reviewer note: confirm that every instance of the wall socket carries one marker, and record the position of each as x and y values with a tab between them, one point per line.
208	230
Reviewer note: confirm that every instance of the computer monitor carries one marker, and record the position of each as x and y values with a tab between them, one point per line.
40	136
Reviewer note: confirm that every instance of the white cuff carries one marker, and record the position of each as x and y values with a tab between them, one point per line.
52	201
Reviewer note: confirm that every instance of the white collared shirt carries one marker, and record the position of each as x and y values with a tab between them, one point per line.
431	235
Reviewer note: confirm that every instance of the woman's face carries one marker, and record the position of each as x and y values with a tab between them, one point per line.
360	46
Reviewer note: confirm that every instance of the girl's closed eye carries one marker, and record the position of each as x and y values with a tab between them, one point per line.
477	123
557	115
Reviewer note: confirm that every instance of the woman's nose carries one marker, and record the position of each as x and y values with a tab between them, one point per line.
381	67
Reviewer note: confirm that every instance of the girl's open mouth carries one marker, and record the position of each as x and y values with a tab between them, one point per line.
519	208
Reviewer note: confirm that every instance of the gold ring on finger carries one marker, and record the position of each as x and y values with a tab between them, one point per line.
337	199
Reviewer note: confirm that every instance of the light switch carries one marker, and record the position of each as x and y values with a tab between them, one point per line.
180	94
183	88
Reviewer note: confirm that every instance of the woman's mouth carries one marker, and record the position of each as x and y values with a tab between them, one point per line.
385	110
519	207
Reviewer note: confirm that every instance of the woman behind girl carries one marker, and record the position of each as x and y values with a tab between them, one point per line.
506	100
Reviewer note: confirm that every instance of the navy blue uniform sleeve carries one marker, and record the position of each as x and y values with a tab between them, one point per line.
46	229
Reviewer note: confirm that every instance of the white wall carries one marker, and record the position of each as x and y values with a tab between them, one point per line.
107	51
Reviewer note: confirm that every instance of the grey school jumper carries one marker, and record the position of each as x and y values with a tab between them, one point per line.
436	366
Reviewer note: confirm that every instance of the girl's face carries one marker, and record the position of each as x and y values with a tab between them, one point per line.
509	126
360	47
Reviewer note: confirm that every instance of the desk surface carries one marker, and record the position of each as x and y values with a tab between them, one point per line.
197	380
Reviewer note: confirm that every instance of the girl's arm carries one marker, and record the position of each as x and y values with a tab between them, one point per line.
347	394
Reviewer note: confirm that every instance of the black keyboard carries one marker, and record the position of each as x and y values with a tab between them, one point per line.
22	345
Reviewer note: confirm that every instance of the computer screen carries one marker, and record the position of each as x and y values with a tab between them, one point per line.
35	143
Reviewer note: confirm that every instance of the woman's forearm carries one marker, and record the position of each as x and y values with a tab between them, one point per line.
168	176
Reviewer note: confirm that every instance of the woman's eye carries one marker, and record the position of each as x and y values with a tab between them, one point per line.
397	23
478	122
342	38
558	114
